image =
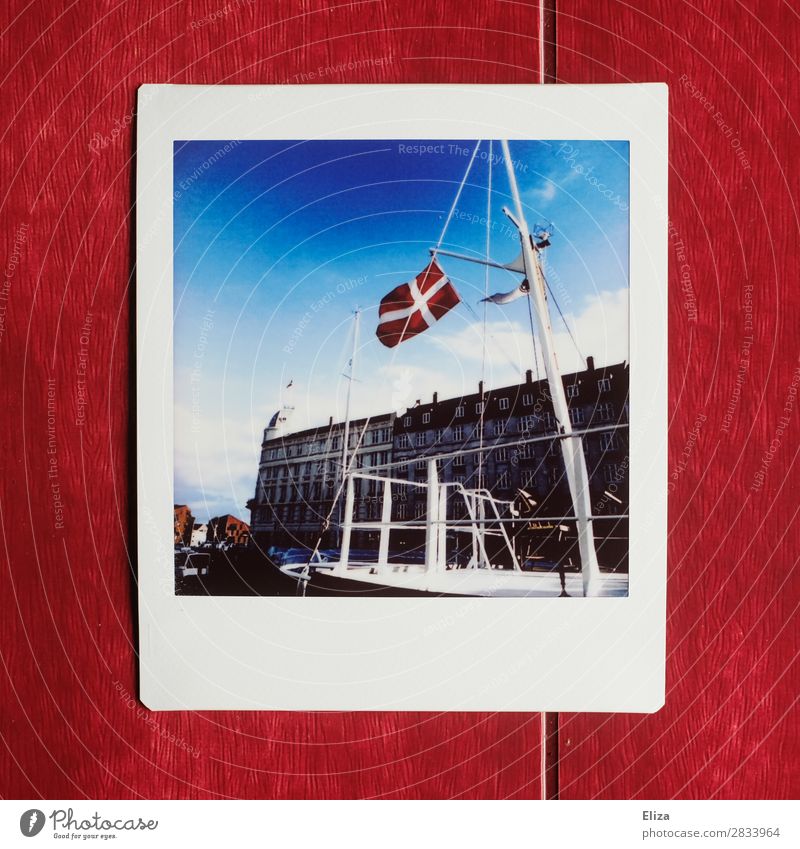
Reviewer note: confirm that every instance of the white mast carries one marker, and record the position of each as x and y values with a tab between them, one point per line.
351	378
571	446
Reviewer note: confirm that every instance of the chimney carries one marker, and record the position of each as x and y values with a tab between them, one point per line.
529	376
435	397
590	363
480	389
330	422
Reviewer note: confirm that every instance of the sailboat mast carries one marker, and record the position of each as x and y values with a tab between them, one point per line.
351	378
571	446
346	432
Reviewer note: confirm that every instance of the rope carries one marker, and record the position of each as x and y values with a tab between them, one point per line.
446	225
485	304
455	200
326	523
563	319
533	338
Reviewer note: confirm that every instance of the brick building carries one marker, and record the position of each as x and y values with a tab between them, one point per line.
184	523
228	529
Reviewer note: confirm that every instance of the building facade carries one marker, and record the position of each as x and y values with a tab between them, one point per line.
300	474
503	440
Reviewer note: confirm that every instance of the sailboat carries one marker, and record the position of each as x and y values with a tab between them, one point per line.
473	515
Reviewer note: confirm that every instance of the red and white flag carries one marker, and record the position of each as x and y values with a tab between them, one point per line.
413	307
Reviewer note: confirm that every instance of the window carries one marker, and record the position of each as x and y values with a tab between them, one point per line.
420	465
499	428
527	400
380	435
336	443
502	480
604	384
613	473
572	390
527	423
420	440
477	433
479	407
407	421
401	512
459	411
440	434
528	480
549	420
458	479
609	441
504	403
605	412
273	454
458	433
419	510
554	476
526	451
501	454
576	415
458	461
404	441
426	417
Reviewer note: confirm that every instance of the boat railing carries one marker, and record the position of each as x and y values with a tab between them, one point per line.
483	509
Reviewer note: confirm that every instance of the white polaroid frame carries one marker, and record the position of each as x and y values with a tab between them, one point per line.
455	654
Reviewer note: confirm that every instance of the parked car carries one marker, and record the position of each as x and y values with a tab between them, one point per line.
191	564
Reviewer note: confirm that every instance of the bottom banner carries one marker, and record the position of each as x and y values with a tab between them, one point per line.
371	824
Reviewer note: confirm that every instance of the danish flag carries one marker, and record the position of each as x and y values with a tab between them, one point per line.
413	307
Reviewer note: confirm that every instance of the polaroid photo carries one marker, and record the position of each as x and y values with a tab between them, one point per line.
402	389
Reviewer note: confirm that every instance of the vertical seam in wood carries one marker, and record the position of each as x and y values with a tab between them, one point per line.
547	41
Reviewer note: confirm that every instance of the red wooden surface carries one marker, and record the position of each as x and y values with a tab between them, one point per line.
68	727
67	622
729	728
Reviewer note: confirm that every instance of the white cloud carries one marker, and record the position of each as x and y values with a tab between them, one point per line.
544	194
600	329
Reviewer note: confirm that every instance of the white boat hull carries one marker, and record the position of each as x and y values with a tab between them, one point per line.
487	583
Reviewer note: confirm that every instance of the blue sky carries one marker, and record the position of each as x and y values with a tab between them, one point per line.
276	243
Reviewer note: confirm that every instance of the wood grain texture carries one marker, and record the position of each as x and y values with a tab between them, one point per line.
729	728
69	725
